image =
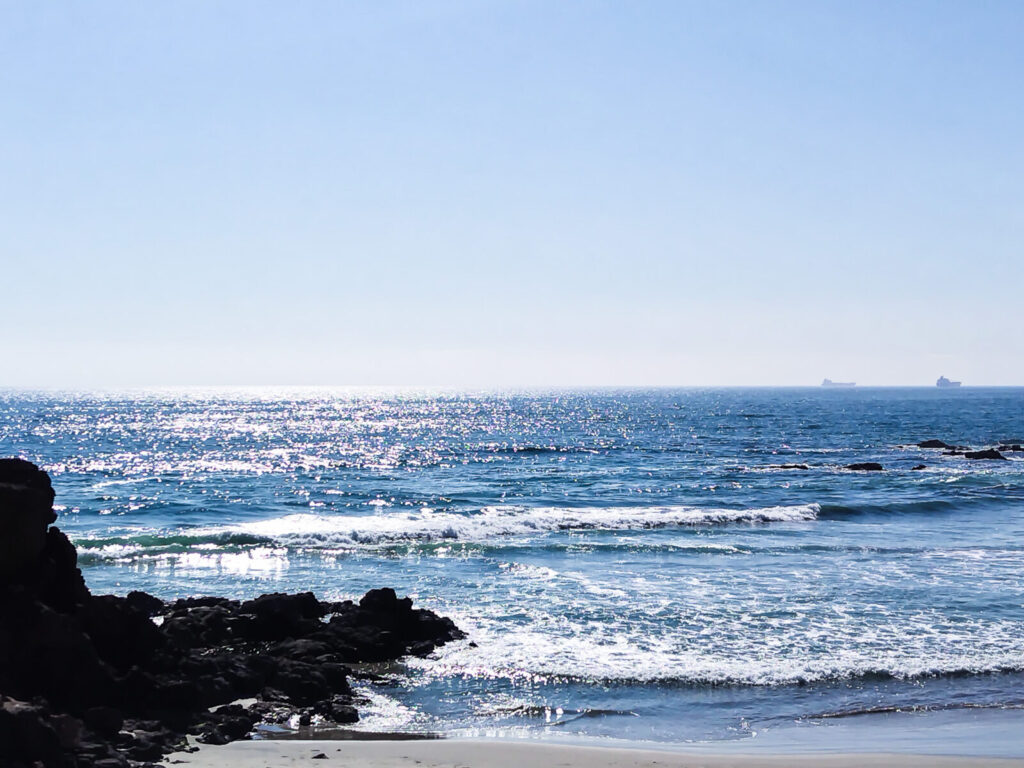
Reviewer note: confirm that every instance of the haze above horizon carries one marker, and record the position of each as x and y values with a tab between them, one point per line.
481	194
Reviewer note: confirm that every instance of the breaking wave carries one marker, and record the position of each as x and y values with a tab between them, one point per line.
731	662
426	526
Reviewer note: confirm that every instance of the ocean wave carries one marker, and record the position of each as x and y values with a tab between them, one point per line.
553	714
557	716
425	526
562	661
889	710
915	673
693	639
934	506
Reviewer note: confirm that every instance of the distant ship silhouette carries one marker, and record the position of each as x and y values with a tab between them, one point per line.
830	383
944	383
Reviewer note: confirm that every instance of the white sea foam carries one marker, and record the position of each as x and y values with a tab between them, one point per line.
426	525
728	652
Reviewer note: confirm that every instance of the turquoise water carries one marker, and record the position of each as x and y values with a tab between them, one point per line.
629	564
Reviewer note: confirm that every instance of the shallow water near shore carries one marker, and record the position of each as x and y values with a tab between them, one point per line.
629	565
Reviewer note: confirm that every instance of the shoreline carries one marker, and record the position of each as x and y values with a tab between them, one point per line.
954	738
463	753
962	731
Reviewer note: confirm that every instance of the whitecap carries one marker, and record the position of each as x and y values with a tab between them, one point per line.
426	525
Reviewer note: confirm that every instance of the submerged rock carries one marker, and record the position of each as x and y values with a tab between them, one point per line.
989	453
934	444
866	466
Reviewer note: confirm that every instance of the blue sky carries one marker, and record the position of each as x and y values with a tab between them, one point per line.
511	193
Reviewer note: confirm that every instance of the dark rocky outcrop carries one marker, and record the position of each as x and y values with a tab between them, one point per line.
918	467
988	453
966	452
93	681
30	735
866	466
789	466
26	509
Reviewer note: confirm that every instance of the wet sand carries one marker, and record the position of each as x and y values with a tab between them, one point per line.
459	753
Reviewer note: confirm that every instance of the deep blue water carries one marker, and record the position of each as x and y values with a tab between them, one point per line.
627	563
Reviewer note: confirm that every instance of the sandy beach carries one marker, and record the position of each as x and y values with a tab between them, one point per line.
505	754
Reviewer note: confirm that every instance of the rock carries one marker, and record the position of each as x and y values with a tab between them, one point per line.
336	676
28	736
1011	447
186	603
385	601
279	616
339	710
69	730
918	467
145	750
46	653
867	466
381	607
105	721
41	560
989	453
934	444
237	726
145	603
61	585
213	735
89	752
301	683
269	712
204	626
302	649
788	466
109	621
26	509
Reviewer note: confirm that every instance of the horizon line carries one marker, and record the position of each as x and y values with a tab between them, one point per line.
552	386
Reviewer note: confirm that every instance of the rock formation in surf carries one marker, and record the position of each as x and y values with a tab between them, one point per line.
988	453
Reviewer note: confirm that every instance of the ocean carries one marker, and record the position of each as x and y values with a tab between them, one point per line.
629	564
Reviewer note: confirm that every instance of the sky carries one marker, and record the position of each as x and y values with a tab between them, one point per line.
511	193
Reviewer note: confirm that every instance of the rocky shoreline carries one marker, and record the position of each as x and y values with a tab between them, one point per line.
113	682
